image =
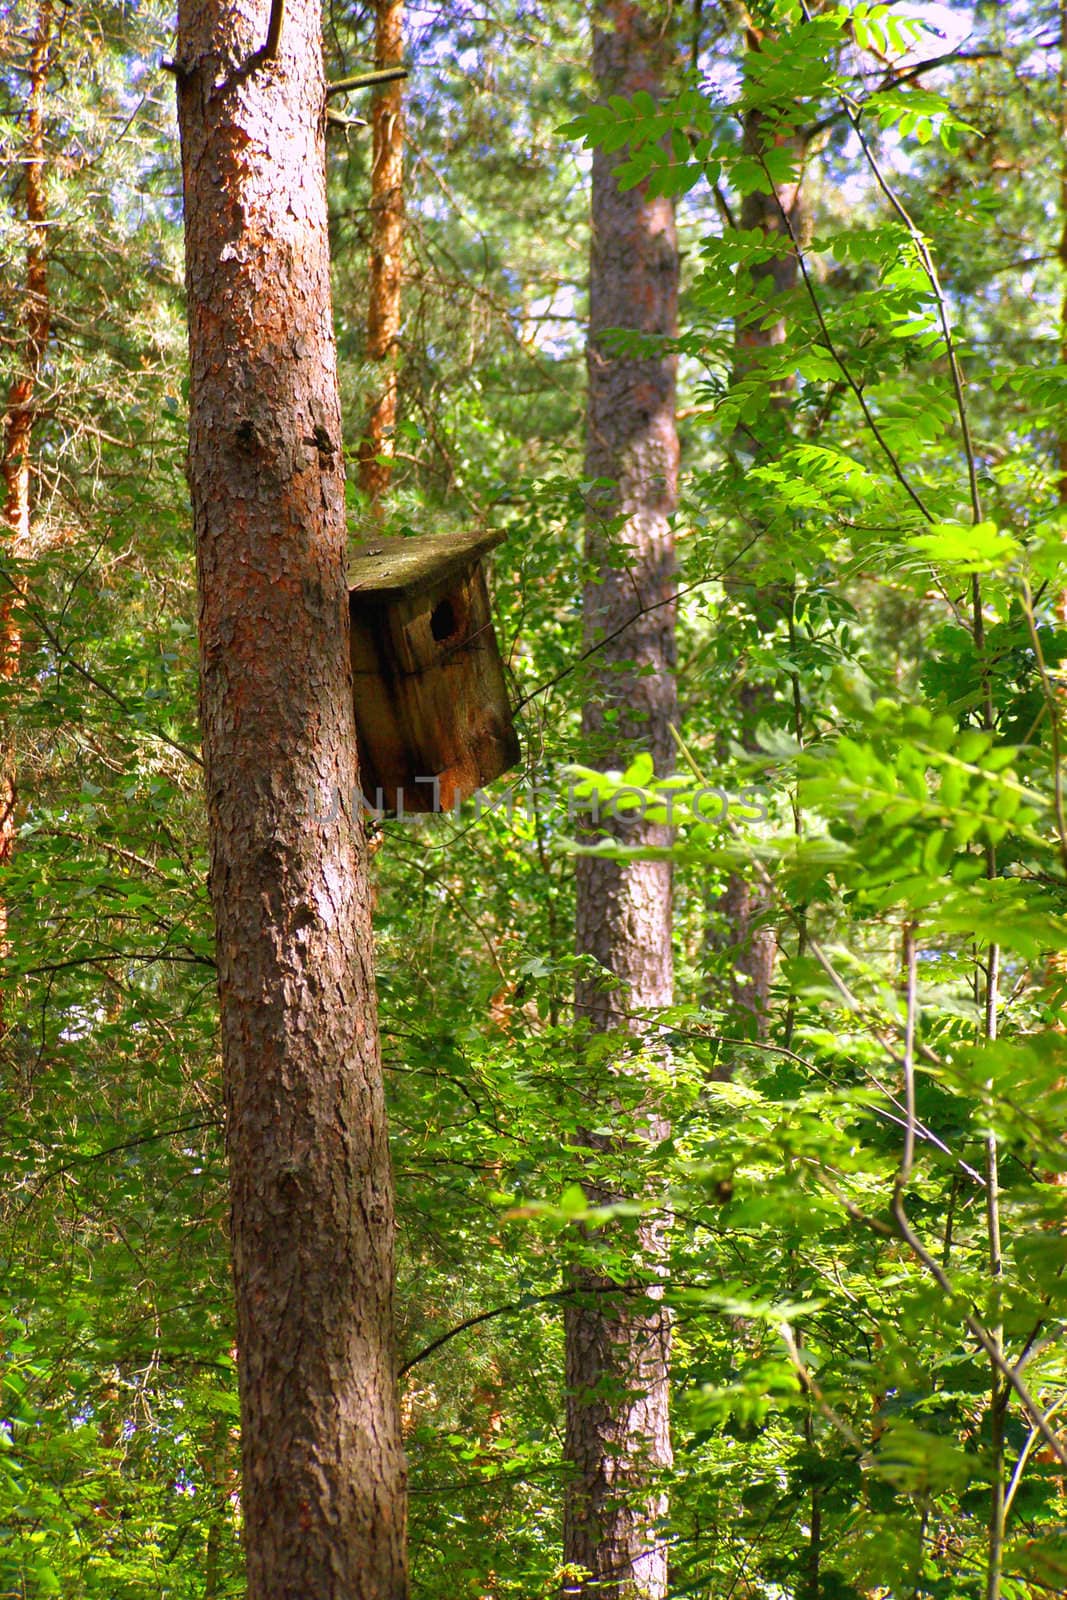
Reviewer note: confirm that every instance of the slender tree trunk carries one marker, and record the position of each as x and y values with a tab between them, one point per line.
219	1469
779	275
1056	963
20	411
323	1495
19	415
742	910
618	1344
1063	253
386	255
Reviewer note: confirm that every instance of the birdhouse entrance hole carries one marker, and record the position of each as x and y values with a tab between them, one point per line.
443	622
433	722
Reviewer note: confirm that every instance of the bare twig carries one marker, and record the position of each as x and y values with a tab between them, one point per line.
366	80
842	366
643	611
1053	703
810	1387
907	1158
92	1156
90	677
1024	1453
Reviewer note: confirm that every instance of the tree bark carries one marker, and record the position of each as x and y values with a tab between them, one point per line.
618	1342
20	412
742	911
386	255
323	1495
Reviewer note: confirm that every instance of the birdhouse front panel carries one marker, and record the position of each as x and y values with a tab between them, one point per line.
432	716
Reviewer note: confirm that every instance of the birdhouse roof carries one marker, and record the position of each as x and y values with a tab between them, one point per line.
391	568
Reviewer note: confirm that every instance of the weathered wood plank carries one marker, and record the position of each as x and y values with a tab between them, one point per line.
394	567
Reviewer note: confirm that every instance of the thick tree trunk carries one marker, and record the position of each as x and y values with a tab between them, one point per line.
311	1193
618	1343
386	254
20	410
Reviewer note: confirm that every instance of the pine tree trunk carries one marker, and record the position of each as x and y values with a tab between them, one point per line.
618	1343
19	415
323	1495
20	411
386	255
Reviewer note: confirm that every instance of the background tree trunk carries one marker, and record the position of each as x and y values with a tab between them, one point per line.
311	1194
742	911
618	1344
386	254
20	412
19	416
1062	441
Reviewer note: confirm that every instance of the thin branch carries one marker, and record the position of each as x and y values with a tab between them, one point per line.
894	80
856	1005
907	1158
148	957
926	1134
1053	703
810	1387
366	80
513	1306
927	260
1035	1347
1024	1453
593	649
983	1337
84	672
95	842
904	1230
116	1149
456	900
839	360
989	1342
269	49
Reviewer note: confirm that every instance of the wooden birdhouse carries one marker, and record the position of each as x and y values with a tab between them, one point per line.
428	682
